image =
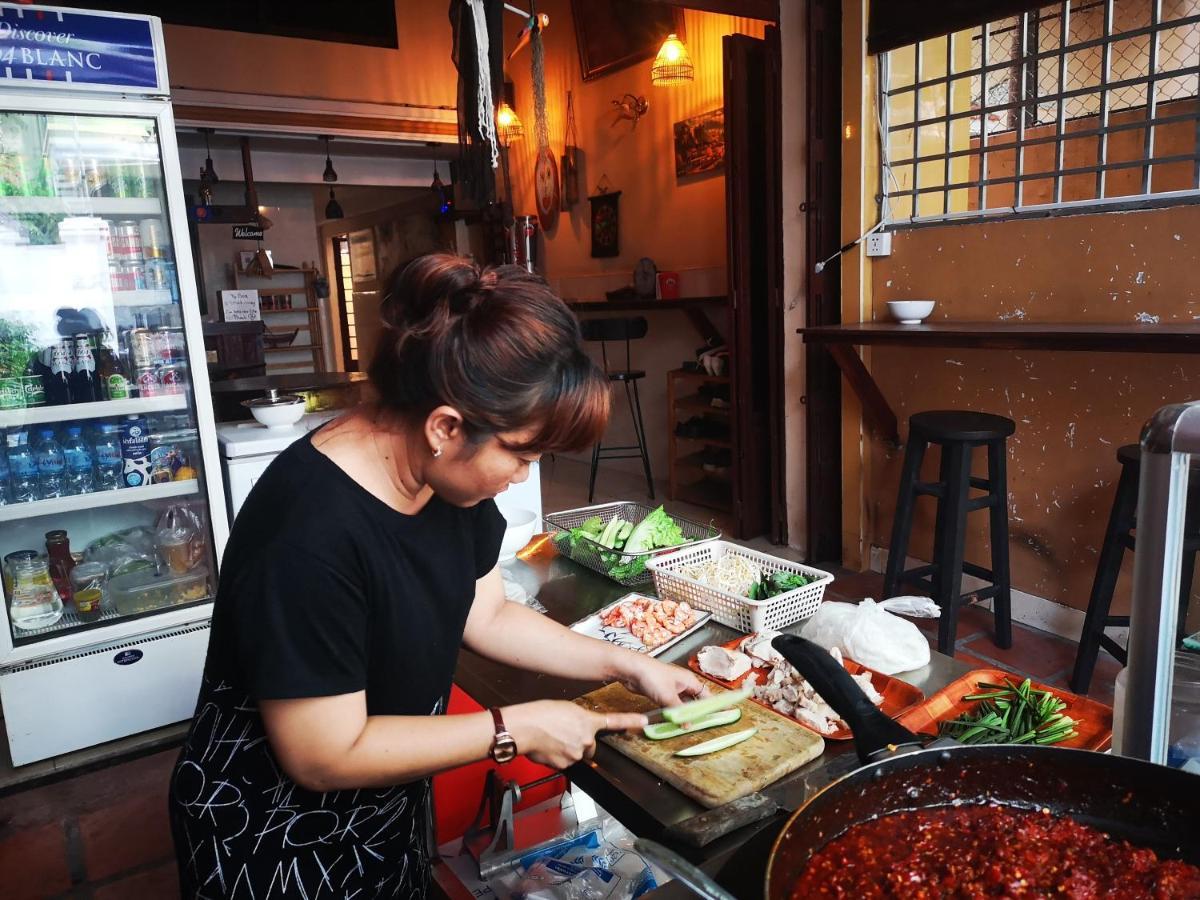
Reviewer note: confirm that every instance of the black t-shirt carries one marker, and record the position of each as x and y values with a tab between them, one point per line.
324	590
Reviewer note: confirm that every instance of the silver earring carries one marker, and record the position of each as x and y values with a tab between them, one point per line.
437	452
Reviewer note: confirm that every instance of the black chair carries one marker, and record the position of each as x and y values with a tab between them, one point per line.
1119	537
957	432
628	330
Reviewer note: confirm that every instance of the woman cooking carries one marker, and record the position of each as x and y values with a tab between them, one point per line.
360	563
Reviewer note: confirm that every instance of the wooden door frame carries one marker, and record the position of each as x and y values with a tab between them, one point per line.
823	382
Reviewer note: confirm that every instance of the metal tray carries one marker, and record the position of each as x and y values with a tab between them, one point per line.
587	552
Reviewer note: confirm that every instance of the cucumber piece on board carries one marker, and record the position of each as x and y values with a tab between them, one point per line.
719	743
686	713
667	730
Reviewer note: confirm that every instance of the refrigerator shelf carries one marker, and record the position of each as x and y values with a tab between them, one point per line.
59	505
82	206
105	409
142	298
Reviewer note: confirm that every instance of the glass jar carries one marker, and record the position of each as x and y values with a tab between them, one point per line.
89	581
7	568
35	603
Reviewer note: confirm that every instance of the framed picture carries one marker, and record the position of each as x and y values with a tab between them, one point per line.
606	224
613	34
700	143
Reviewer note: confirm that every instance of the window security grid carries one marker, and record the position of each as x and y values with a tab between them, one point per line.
1074	105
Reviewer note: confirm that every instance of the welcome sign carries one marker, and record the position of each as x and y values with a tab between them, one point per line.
49	47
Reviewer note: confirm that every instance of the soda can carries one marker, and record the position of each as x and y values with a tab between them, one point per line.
153	244
162	345
126	239
94	179
121	278
172	378
142	347
157	275
177	343
146	379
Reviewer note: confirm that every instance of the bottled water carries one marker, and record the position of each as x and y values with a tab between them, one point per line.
78	458
109	463
22	468
3	468
51	465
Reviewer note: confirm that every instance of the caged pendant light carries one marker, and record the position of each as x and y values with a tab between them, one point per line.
672	65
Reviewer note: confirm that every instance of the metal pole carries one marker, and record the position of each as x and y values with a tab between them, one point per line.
1168	441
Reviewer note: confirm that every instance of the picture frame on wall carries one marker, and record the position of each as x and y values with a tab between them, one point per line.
700	144
606	224
614	34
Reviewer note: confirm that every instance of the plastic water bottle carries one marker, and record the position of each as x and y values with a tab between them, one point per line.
107	453
4	476
78	458
51	465
22	468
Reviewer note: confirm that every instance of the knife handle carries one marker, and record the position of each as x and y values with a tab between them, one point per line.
873	731
700	831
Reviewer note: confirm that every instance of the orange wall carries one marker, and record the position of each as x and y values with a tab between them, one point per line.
680	225
419	72
1072	409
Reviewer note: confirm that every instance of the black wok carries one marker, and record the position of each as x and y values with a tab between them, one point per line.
1148	805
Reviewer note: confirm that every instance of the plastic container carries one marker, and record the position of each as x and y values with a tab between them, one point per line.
1183	749
140	592
89	582
741	613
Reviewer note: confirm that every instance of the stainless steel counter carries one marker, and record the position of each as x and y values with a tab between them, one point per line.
639	800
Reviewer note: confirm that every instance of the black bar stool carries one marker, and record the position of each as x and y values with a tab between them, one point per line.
957	432
628	330
1119	537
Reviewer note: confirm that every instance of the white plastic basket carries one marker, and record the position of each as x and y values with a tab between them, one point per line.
728	608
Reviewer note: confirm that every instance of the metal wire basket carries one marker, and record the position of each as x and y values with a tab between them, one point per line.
589	553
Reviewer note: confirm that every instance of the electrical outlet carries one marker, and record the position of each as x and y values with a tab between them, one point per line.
879	244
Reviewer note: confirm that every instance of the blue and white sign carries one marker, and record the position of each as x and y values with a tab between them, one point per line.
50	47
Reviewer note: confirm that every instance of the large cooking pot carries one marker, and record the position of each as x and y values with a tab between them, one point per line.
1146	804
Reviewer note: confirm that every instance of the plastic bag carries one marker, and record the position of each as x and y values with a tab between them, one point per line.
869	634
595	861
179	535
126	551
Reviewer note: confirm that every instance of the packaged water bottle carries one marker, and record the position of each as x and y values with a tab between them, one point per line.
109	464
3	467
78	458
51	465
22	468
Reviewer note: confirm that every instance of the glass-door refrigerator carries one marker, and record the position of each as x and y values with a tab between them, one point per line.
112	518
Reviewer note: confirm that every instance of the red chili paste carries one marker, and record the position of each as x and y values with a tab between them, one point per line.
989	851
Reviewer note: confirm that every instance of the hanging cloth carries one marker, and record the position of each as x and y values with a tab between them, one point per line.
477	53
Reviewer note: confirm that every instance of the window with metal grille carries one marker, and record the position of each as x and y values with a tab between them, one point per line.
1073	105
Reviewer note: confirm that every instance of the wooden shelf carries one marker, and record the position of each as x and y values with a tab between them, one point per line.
696	461
709	493
699	376
701	406
290	347
711	442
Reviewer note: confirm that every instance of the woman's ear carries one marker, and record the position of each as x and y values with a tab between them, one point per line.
444	429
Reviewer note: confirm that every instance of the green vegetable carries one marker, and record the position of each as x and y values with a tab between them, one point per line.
666	730
706	706
655	531
609	537
590	529
718	743
632	568
776	583
1012	714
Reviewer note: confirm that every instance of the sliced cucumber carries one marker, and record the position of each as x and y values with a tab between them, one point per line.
718	743
666	730
698	709
626	530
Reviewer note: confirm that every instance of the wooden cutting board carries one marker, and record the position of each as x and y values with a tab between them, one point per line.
780	746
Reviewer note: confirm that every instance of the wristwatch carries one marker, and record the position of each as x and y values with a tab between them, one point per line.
504	745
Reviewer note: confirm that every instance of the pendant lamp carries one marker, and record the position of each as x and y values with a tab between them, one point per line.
672	65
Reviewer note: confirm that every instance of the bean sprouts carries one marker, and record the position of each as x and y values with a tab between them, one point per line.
732	573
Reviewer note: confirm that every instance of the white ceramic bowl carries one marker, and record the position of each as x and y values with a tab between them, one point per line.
521	525
279	415
910	312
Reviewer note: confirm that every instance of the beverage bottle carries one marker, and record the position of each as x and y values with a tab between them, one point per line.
59	361
51	465
58	555
112	373
22	468
78	457
135	451
109	464
84	388
4	469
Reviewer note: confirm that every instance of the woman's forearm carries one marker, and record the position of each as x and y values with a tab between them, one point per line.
518	636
